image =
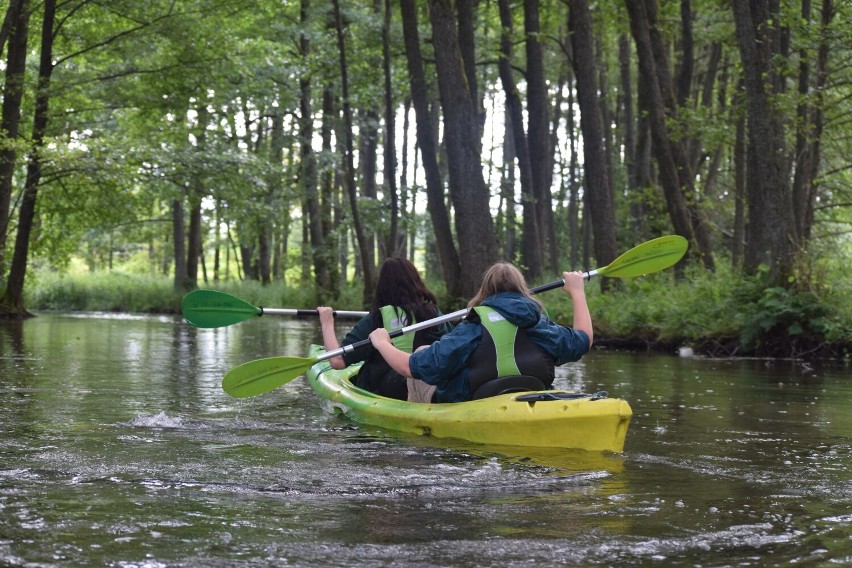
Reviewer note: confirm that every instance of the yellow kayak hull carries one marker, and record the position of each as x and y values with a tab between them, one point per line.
587	423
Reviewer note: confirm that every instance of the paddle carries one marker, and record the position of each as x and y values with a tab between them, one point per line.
262	375
651	256
210	308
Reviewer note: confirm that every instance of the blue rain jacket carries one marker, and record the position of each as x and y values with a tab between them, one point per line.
444	363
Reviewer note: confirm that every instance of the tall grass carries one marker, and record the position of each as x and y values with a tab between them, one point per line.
101	291
739	314
124	292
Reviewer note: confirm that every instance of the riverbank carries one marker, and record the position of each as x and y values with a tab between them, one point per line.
719	314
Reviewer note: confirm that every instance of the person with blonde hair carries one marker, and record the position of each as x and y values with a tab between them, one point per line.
505	344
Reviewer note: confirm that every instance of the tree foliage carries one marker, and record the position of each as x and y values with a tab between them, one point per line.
219	137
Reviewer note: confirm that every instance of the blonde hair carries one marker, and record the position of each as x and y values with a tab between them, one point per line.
502	277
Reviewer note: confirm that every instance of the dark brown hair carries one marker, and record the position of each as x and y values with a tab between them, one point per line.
400	285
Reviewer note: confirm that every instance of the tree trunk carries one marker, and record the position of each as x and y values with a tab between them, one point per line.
538	134
360	233
810	125
193	249
393	244
246	256
15	25
678	149
740	167
330	196
427	142
599	198
772	239
573	189
368	160
217	244
467	49
13	10
694	150
558	248
671	159
404	188
179	245
307	165
629	143
272	226
12	302
470	197
687	60
508	191
532	257
644	172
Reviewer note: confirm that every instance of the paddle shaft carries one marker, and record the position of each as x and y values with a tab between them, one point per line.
459	314
560	283
303	313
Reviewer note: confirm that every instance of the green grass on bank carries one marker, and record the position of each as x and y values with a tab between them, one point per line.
125	292
718	313
726	314
100	291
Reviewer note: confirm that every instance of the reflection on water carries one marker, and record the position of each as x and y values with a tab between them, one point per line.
119	448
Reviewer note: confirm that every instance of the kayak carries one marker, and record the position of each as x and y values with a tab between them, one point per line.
544	419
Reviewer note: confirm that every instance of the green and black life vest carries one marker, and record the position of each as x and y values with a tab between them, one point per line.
394	318
505	351
376	375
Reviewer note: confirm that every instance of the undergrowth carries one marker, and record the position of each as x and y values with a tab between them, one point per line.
719	313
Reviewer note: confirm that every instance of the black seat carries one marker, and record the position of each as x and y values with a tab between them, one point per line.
505	385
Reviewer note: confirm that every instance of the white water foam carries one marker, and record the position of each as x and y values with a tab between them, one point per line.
161	420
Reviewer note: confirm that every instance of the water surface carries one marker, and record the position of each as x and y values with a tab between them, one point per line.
120	449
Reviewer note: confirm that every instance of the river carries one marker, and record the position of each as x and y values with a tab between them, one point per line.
119	448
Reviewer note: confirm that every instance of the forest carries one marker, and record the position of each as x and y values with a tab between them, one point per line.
299	143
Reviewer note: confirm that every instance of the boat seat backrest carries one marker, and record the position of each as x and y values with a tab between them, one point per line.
508	384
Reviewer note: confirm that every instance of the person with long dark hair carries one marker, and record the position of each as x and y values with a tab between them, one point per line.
401	299
505	344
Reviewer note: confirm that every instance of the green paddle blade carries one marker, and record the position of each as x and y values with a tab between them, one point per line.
263	375
209	308
652	256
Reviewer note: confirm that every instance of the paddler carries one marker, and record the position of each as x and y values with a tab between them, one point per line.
401	299
506	341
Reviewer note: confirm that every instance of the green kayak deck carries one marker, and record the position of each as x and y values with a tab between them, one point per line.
548	419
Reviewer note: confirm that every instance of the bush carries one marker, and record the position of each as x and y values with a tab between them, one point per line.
719	313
